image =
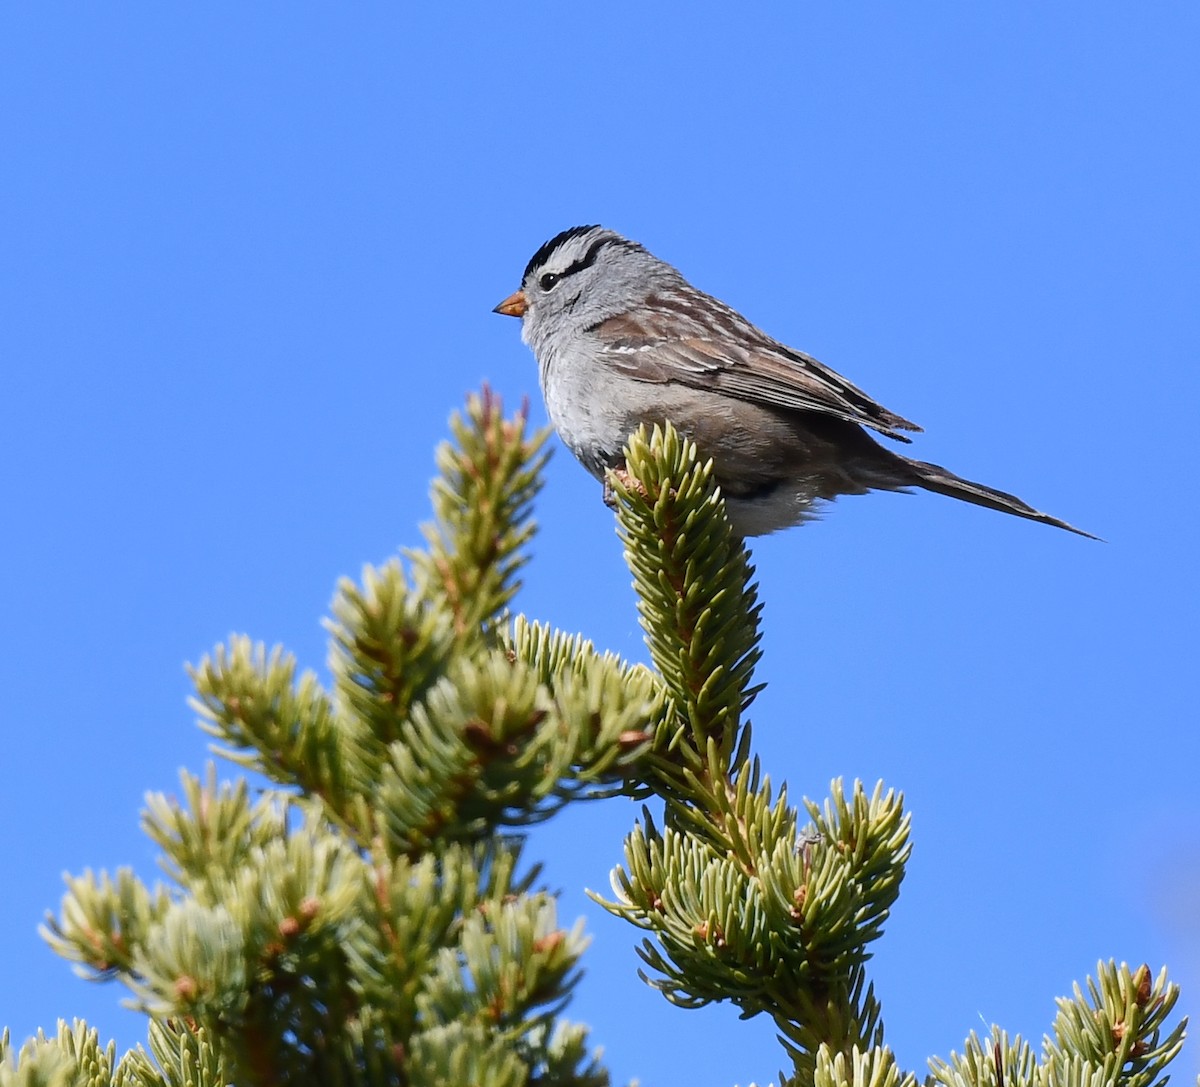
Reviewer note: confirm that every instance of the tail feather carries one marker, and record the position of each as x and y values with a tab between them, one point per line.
933	477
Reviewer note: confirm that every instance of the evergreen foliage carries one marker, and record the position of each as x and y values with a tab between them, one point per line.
369	917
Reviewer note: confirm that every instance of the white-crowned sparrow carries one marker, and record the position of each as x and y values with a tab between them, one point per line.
621	338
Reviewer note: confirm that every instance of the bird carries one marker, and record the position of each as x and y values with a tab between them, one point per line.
621	339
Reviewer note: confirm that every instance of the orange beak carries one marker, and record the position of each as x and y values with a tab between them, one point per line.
514	305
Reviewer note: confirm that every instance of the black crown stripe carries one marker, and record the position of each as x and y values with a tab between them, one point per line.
543	254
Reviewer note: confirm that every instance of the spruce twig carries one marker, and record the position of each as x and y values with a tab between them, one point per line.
369	918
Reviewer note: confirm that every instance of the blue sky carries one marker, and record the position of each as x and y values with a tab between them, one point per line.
249	257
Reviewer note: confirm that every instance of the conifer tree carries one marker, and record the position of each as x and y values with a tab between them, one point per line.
370	918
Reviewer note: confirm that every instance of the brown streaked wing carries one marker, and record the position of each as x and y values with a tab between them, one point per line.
666	342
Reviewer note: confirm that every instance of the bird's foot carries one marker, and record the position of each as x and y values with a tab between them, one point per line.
622	476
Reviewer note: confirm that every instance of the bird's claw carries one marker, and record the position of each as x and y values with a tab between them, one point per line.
622	476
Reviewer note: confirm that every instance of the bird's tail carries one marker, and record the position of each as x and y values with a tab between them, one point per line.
933	477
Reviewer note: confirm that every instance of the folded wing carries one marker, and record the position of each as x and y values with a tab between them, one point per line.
668	342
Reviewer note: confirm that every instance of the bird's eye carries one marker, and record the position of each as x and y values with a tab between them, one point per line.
548	281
